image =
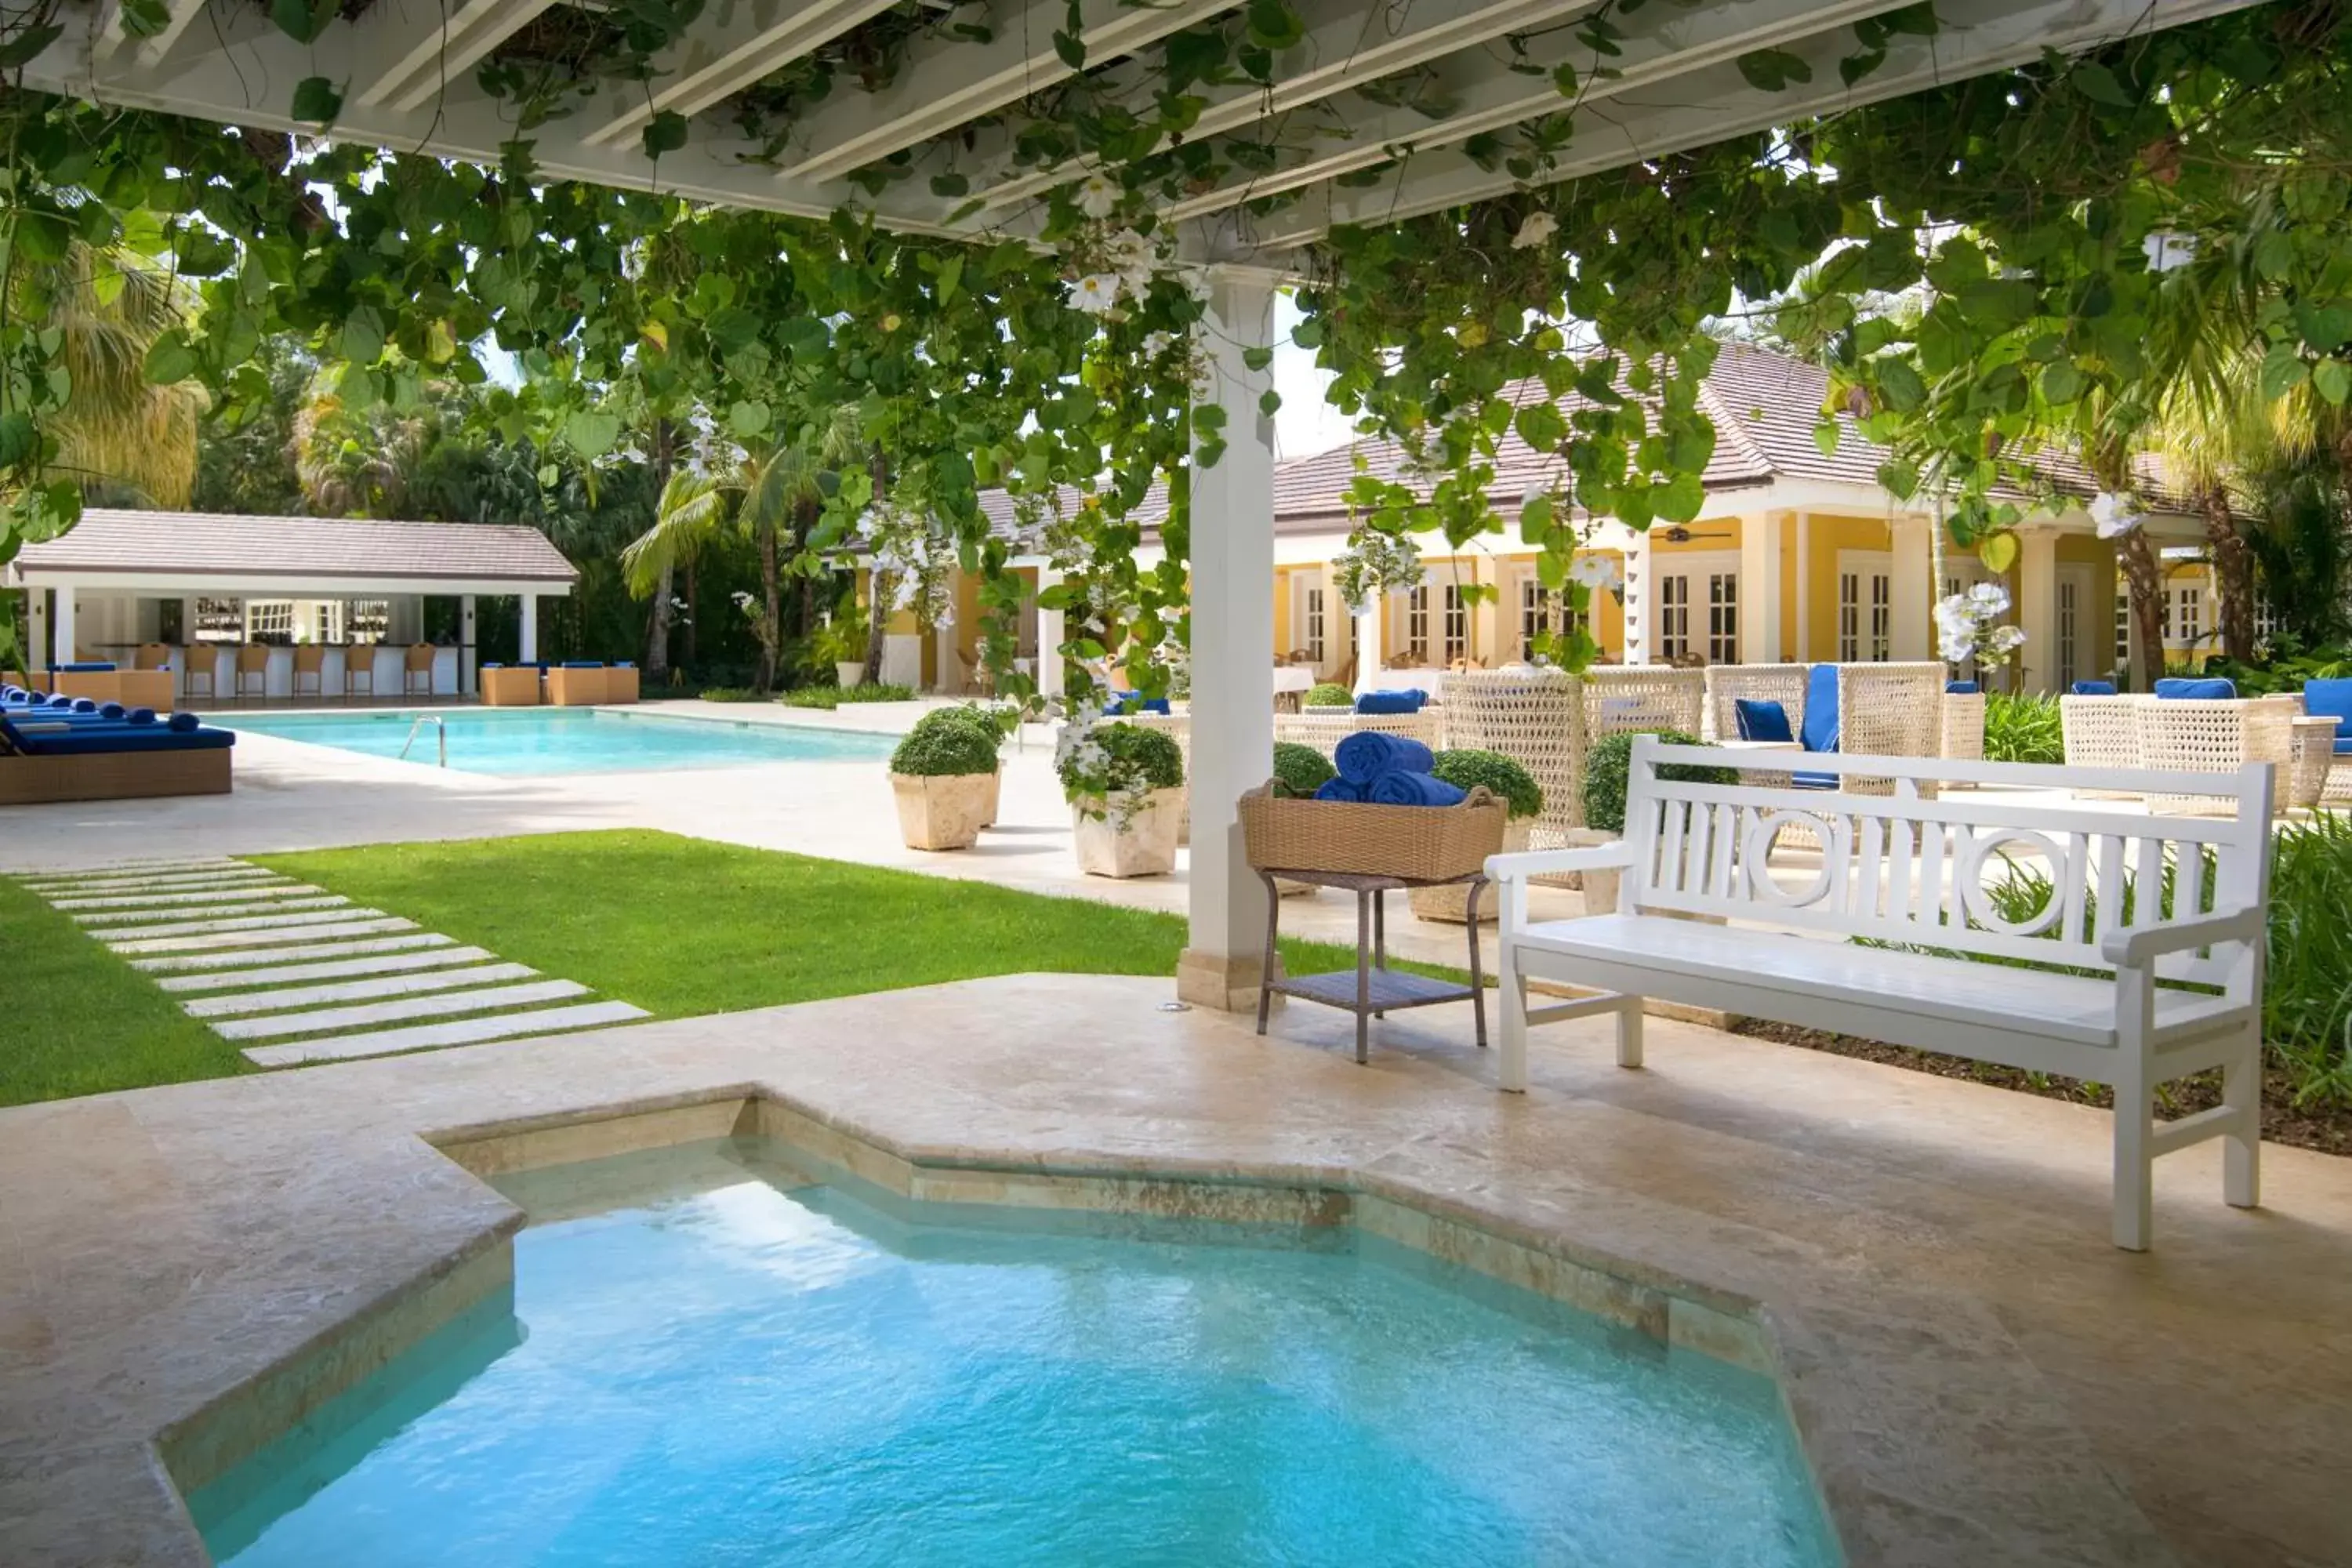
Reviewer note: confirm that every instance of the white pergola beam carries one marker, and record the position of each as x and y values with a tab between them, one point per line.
111	41
947	81
742	42
1699	107
432	46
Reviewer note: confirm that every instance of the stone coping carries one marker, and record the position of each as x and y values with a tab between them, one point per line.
207	1261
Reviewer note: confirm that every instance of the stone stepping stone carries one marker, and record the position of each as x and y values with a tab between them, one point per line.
331	969
462	1032
330	950
193	882
278	919
103	917
139	868
356	990
224	939
489	999
210	895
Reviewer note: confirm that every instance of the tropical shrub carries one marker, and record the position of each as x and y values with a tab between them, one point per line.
841	640
1124	761
954	748
1300	771
1467	769
834	696
1609	769
2285	670
1330	694
2022	729
733	694
993	724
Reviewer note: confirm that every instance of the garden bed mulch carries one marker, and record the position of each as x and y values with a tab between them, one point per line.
2327	1129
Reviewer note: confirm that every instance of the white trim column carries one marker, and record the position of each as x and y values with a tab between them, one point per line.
62	629
2037	607
1910	572
1051	675
36	627
1372	640
1636	607
1233	635
1760	589
527	647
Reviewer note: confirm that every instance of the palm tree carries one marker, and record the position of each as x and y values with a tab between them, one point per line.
118	430
690	515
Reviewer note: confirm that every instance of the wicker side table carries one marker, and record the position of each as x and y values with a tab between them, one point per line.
1373	988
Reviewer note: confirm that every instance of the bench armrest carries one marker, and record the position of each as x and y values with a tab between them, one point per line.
2134	949
1759	746
1529	863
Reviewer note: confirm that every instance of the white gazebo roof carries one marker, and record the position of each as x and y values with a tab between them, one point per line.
957	103
191	552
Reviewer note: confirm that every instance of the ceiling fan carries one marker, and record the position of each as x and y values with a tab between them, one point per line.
1678	534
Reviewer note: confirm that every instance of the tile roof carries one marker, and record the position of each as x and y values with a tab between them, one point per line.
209	545
1764	406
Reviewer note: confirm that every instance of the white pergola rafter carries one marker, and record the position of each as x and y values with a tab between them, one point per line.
747	39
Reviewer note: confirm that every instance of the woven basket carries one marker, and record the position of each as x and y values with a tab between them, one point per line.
1417	843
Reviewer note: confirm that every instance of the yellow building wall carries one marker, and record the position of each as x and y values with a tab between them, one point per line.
1282	643
1829	535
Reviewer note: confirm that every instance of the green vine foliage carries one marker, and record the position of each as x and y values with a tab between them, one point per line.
2012	213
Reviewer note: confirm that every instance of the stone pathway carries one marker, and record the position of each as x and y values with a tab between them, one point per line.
250	948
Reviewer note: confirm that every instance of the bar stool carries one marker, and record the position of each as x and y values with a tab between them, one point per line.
311	659
253	659
204	664
358	664
419	662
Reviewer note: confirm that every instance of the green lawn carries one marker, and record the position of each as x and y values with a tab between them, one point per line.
79	1020
678	926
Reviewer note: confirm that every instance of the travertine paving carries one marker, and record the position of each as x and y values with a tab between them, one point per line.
238	924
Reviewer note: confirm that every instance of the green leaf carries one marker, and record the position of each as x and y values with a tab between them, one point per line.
1536	520
951	184
2100	85
591	434
2284	370
1826	434
1563	77
2061	383
21	50
805	336
1274	25
303	22
1771	70
362	339
1900	384
1307	334
733	328
1997	552
1269	402
1072	52
171	358
2332	378
317	100
1679	499
1257	359
950	279
748	419
19	438
665	132
1855	67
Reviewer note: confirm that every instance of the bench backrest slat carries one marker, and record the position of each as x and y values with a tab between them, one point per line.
1909	869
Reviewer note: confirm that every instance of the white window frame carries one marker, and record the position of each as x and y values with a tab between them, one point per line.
1865	627
1695	629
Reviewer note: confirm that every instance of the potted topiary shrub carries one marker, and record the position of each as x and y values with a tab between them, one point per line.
943	776
1508	781
1125	786
1608	771
992	725
1298	772
1330	697
841	643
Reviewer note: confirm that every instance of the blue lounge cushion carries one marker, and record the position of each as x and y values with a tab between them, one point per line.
2343	748
1338	788
1819	732
112	711
582	664
1398	787
2331	699
1814	780
2207	688
85	668
181	724
1761	720
625	664
91	742
2093	689
1367	753
1961	688
1410	701
494	667
139	717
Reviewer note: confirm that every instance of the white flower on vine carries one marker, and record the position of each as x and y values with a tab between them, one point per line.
1991	596
1534	229
2006	640
743	600
1596	571
1098	197
1157	343
1097	293
2115	512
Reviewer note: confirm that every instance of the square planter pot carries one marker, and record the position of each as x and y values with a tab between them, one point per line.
996	796
1144	847
1450	905
849	675
941	812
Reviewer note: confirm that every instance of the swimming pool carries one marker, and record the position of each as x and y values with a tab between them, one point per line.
523	741
711	1356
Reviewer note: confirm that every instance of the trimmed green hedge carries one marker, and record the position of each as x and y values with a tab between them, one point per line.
1140	759
1300	771
1609	767
1330	694
1466	768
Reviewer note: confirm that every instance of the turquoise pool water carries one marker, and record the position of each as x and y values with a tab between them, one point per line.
709	1359
570	739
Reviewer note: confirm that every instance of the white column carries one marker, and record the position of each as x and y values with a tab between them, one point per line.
527	649
2037	607
1050	682
36	627
1371	650
63	632
1637	600
1804	587
1760	589
466	643
1913	591
1233	630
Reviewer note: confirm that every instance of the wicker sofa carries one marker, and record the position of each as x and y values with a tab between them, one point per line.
2215	735
1547	721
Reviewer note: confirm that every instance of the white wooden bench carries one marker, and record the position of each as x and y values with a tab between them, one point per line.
1911	871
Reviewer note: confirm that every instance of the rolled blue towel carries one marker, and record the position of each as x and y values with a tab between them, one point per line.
1337	788
1367	753
139	716
182	722
1413	789
85	705
111	710
1391	702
